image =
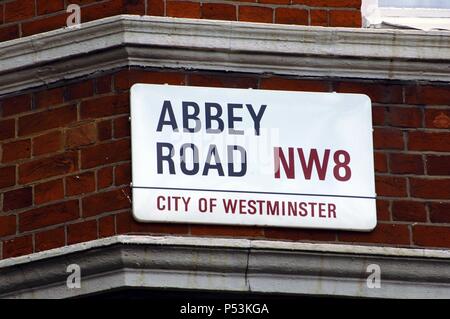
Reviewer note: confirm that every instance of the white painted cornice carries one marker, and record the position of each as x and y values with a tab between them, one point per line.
233	265
164	42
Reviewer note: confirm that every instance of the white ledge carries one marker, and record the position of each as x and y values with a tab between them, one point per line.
229	243
233	265
163	42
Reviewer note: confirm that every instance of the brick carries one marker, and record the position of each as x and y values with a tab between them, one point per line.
281	83
48	191
437	118
183	9
155	7
126	224
80	90
330	3
106	202
390	186
427	95
49	97
123	174
388	234
16	104
121	127
218	11
409	211
430	188
104	177
383	210
404	117
9	32
82	135
81	232
44	24
80	184
378	115
50	239
431	236
49	215
106	153
7	176
255	14
106	227
299	234
406	163
229	231
18	246
105	106
439	212
345	18
104	130
429	141
380	162
103	84
7	225
45	6
319	17
16	150
134	7
387	138
291	16
48	167
18	198
217	80
378	92
47	120
438	165
126	78
274	1
83	2
102	10
7	129
19	10
47	143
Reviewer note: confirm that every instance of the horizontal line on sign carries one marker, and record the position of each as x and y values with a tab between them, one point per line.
249	192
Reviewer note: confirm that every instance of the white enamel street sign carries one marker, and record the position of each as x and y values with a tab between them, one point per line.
252	157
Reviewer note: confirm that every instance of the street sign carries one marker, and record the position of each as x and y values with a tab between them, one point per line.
252	157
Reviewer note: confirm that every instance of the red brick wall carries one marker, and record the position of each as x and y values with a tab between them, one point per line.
65	162
19	18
